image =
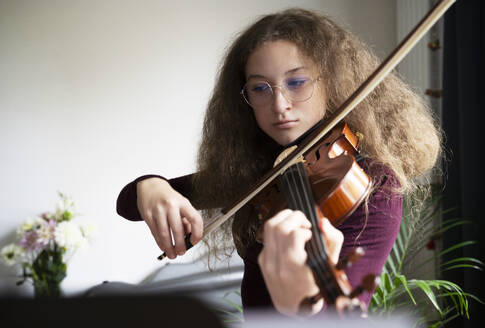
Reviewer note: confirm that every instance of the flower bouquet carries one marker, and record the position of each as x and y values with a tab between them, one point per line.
44	244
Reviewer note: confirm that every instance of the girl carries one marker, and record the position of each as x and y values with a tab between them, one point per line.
279	78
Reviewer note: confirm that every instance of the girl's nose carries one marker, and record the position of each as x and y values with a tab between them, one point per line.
280	103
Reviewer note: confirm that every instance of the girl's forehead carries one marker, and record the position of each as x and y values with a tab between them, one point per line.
278	57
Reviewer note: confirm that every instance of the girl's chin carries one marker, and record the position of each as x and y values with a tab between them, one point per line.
284	140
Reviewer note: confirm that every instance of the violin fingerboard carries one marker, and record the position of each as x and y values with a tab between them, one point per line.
299	196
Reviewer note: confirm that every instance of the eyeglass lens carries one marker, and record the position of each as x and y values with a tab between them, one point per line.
260	93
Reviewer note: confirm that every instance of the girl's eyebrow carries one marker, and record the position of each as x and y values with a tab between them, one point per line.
291	71
294	70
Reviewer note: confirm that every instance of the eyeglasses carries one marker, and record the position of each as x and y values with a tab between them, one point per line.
260	93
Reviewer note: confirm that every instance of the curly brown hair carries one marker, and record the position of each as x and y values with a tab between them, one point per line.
398	128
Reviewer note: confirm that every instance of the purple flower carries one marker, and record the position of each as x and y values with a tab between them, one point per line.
29	241
52	224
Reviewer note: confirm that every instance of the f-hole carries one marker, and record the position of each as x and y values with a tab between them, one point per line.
317	154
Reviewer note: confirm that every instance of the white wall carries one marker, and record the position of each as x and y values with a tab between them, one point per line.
95	93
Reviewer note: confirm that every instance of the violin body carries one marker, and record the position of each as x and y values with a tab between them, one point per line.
338	183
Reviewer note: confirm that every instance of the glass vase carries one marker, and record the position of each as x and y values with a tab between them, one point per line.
47	272
44	289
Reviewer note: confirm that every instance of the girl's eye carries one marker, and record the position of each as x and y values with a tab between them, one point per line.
259	87
294	84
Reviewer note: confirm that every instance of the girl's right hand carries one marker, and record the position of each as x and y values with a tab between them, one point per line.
167	213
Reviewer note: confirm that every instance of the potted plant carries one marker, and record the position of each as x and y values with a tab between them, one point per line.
434	302
43	246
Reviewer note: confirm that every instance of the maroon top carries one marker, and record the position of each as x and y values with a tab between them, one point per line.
377	235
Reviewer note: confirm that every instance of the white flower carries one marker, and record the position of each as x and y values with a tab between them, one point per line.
29	225
12	254
66	204
68	235
46	232
89	230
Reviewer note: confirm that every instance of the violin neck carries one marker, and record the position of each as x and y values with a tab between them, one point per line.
299	196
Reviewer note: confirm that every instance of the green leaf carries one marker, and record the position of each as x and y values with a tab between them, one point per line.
229	313
402	280
429	293
460	245
390	263
461	266
399	245
464	259
236	306
233	317
386	279
449	224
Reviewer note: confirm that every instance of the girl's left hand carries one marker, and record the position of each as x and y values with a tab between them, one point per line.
283	260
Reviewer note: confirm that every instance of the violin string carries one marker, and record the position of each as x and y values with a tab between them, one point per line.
317	255
295	180
318	243
312	246
309	212
318	246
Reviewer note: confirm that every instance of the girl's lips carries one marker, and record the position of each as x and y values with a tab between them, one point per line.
286	124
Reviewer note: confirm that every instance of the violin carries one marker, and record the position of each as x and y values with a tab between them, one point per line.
324	141
338	183
326	182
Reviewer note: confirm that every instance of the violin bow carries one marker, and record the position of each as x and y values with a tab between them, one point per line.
363	91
